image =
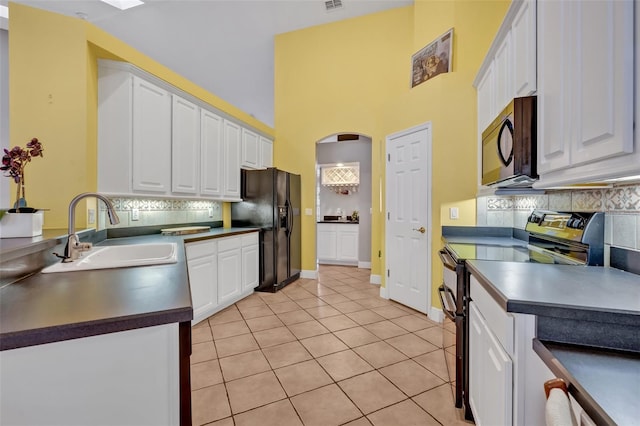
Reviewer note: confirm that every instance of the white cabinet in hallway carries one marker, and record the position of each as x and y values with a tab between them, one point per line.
585	96
221	271
337	243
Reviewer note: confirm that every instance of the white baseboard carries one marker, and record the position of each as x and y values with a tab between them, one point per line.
375	279
436	314
309	274
364	265
384	293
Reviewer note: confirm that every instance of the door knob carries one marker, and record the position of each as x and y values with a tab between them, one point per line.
420	230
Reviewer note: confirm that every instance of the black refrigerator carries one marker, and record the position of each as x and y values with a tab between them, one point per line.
271	202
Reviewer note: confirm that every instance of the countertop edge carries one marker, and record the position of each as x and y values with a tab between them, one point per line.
588	404
81	330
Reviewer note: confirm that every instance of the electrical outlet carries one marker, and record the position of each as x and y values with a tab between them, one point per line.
135	214
91	216
453	213
210	212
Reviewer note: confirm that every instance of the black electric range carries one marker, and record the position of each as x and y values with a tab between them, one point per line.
569	238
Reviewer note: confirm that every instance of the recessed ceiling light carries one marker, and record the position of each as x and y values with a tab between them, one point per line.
123	4
4	12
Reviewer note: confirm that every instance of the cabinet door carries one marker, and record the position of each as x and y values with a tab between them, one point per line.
603	79
523	40
250	150
185	146
232	137
485	93
347	243
554	94
229	275
250	267
503	75
327	242
151	164
490	368
211	153
203	277
266	157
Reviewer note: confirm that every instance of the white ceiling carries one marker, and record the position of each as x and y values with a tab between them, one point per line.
225	46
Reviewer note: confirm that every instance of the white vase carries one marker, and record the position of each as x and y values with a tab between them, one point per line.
21	225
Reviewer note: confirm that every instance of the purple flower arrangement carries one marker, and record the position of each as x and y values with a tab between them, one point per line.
13	163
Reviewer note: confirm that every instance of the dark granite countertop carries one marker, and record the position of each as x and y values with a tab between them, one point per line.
605	383
45	308
589	292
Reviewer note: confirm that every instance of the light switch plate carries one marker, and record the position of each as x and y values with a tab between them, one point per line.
308	212
91	219
453	213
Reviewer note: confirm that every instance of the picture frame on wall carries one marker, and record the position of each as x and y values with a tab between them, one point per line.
433	59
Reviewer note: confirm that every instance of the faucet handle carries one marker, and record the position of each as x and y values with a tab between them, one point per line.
84	246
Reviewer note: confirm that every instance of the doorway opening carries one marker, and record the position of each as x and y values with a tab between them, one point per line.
343	200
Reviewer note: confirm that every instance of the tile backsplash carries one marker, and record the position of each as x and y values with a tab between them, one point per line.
160	211
621	205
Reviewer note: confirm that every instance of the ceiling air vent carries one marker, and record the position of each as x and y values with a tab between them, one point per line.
332	5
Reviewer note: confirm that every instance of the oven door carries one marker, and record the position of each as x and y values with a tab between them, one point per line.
449	288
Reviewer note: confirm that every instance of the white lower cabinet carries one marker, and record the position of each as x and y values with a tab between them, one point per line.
221	271
229	268
337	243
202	265
250	262
124	378
491	379
506	376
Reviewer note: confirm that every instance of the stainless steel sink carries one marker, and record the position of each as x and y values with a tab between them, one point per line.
123	256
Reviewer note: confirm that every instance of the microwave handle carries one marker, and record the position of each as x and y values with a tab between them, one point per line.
447	260
446	299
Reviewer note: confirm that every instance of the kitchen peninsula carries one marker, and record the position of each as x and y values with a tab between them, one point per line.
107	346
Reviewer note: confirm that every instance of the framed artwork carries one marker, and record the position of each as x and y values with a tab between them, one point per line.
433	59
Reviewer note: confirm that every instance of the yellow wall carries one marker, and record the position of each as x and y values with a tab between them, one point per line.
353	75
53	96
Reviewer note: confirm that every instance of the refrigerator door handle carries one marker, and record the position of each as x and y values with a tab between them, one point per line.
290	216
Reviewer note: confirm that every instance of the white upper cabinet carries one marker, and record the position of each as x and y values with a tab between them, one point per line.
523	41
232	139
503	69
151	166
155	139
250	150
509	69
585	91
211	153
266	155
486	103
185	146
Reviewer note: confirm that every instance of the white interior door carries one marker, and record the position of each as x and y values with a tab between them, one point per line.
408	206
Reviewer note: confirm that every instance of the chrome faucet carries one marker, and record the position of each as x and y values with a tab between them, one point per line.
74	246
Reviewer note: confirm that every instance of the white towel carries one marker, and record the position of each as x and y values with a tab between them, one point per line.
558	409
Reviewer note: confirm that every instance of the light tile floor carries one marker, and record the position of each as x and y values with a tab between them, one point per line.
322	352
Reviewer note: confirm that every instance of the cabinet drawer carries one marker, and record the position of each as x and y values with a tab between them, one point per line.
250	239
228	243
499	322
200	249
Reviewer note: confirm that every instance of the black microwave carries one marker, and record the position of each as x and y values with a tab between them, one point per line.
509	146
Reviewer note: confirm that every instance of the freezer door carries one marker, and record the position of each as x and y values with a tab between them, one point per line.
281	231
295	242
